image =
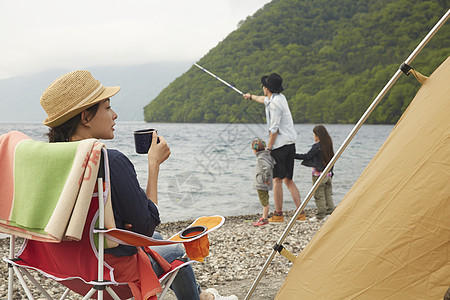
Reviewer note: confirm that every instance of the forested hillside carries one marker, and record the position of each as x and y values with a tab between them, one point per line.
334	57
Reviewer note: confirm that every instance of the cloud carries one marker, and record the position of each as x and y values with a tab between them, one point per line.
45	34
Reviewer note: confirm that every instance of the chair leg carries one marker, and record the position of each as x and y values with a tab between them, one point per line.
36	284
168	283
89	294
10	282
22	282
12	246
112	293
19	273
64	295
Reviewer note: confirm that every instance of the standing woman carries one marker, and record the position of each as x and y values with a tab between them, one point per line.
318	158
78	107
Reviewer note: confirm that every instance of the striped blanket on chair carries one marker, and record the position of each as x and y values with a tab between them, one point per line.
46	188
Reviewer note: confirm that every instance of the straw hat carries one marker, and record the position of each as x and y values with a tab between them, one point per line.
72	93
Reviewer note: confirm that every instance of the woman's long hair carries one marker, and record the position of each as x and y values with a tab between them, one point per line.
325	142
65	131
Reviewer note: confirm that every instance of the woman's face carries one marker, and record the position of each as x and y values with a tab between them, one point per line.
316	138
101	126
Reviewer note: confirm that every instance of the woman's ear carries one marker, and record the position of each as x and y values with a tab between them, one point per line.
85	117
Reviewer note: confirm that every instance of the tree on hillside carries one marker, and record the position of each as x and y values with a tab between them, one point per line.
334	57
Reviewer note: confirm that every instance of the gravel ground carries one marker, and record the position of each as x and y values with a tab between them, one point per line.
238	252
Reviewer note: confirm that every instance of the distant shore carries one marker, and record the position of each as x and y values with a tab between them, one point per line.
238	250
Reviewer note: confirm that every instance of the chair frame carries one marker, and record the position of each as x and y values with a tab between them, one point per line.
101	285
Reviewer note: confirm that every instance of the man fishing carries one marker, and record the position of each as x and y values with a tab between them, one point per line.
281	144
282	137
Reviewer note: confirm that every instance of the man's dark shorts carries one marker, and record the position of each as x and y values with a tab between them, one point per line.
284	156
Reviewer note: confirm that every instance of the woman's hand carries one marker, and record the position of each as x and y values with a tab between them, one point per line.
158	152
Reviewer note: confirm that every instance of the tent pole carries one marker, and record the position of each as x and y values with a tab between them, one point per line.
344	146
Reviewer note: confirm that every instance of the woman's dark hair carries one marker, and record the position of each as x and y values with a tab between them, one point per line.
64	132
325	142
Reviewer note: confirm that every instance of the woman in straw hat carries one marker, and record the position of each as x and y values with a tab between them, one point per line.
78	107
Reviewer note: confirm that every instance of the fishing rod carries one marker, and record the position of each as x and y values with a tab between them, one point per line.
341	149
221	80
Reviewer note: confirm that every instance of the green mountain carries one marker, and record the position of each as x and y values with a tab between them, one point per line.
334	57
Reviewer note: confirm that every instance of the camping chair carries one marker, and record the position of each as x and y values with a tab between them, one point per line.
90	275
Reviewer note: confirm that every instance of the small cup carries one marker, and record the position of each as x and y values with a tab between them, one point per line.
192	231
143	140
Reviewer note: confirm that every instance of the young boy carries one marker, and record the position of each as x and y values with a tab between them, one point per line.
263	177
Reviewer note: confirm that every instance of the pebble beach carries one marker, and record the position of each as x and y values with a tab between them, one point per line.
238	251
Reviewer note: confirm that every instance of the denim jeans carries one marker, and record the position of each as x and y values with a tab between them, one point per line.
185	285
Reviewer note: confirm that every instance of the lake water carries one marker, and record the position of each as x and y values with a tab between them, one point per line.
210	170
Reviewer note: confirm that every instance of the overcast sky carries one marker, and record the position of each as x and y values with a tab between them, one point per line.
46	34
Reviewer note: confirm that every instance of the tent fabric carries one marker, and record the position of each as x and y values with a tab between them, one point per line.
389	238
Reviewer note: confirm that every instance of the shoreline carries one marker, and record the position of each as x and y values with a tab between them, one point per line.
238	251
